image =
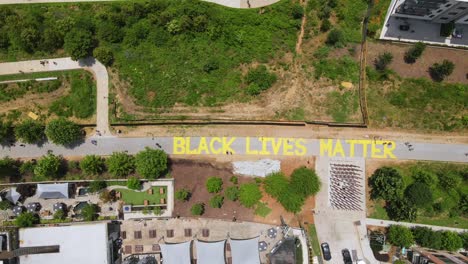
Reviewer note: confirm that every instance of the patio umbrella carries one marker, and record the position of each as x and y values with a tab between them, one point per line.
12	195
33	207
17	210
59	206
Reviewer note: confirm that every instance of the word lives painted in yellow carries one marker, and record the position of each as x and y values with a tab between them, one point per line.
377	149
251	146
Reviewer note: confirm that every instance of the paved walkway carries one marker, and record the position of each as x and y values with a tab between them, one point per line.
62	64
386	223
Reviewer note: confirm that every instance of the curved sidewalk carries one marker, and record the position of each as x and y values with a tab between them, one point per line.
63	64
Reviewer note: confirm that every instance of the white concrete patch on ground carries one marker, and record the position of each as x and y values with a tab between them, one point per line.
260	168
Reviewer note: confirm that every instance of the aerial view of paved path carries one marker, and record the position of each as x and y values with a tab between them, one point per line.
62	64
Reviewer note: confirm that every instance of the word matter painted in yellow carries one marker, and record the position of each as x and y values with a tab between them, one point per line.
378	149
253	146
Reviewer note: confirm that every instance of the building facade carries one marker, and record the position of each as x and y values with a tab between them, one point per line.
436	11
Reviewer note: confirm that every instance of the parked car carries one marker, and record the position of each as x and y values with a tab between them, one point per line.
404	27
326	251
346	256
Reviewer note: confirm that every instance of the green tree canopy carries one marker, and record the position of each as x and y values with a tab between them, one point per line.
198	209
400	236
92	165
216	201
400	210
5	204
386	183
133	183
4	129
78	43
292	201
335	38
104	55
305	182
425	237
48	167
276	184
30	131
26	219
449	179
89	212
120	164
249	194
182	194
425	176
151	163
214	184
451	241
232	193
63	132
439	71
419	194
96	186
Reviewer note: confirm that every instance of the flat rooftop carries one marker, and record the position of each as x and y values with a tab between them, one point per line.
84	243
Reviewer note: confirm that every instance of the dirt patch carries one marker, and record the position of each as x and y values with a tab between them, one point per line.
420	68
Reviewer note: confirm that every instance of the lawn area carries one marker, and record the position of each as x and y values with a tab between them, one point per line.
418	104
262	209
314	240
137	198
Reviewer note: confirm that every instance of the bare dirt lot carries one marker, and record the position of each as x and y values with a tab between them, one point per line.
420	68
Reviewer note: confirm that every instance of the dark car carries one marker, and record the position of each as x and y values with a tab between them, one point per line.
346	256
404	27
326	251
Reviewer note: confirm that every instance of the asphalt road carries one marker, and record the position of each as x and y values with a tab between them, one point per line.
260	147
62	64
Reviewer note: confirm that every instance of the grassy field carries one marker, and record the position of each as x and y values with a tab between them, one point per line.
418	104
449	209
137	198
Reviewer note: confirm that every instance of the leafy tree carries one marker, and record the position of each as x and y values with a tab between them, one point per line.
96	186
463	204
261	77
305	182
234	179
214	184
151	163
78	43
276	184
232	193
48	167
5	204
335	38
400	210
419	194
292	201
451	241
449	179
464	237
182	194
89	212
29	39
249	194
297	11
426	177
109	32
439	71
59	215
4	39
120	164
30	131
383	60
26	219
400	236
8	167
52	40
92	165
134	183
4	130
26	190
63	132
27	167
414	52
104	55
423	236
326	25
198	209
216	201
386	183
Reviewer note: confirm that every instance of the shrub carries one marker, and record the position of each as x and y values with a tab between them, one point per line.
419	194
234	179
104	55
232	193
106	196
78	43
5	204
423	236
249	194
386	183
261	77
400	236
26	190
157	210
92	165
89	212
425	176
326	25
210	66
216	201
133	183
27	167
292	201
382	61
400	210
48	167
59	215
214	184
30	131
63	132
198	209
151	163
182	194
305	182
26	219
96	186
335	38
120	164
297	11
451	241
439	71
414	52
276	184
449	179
